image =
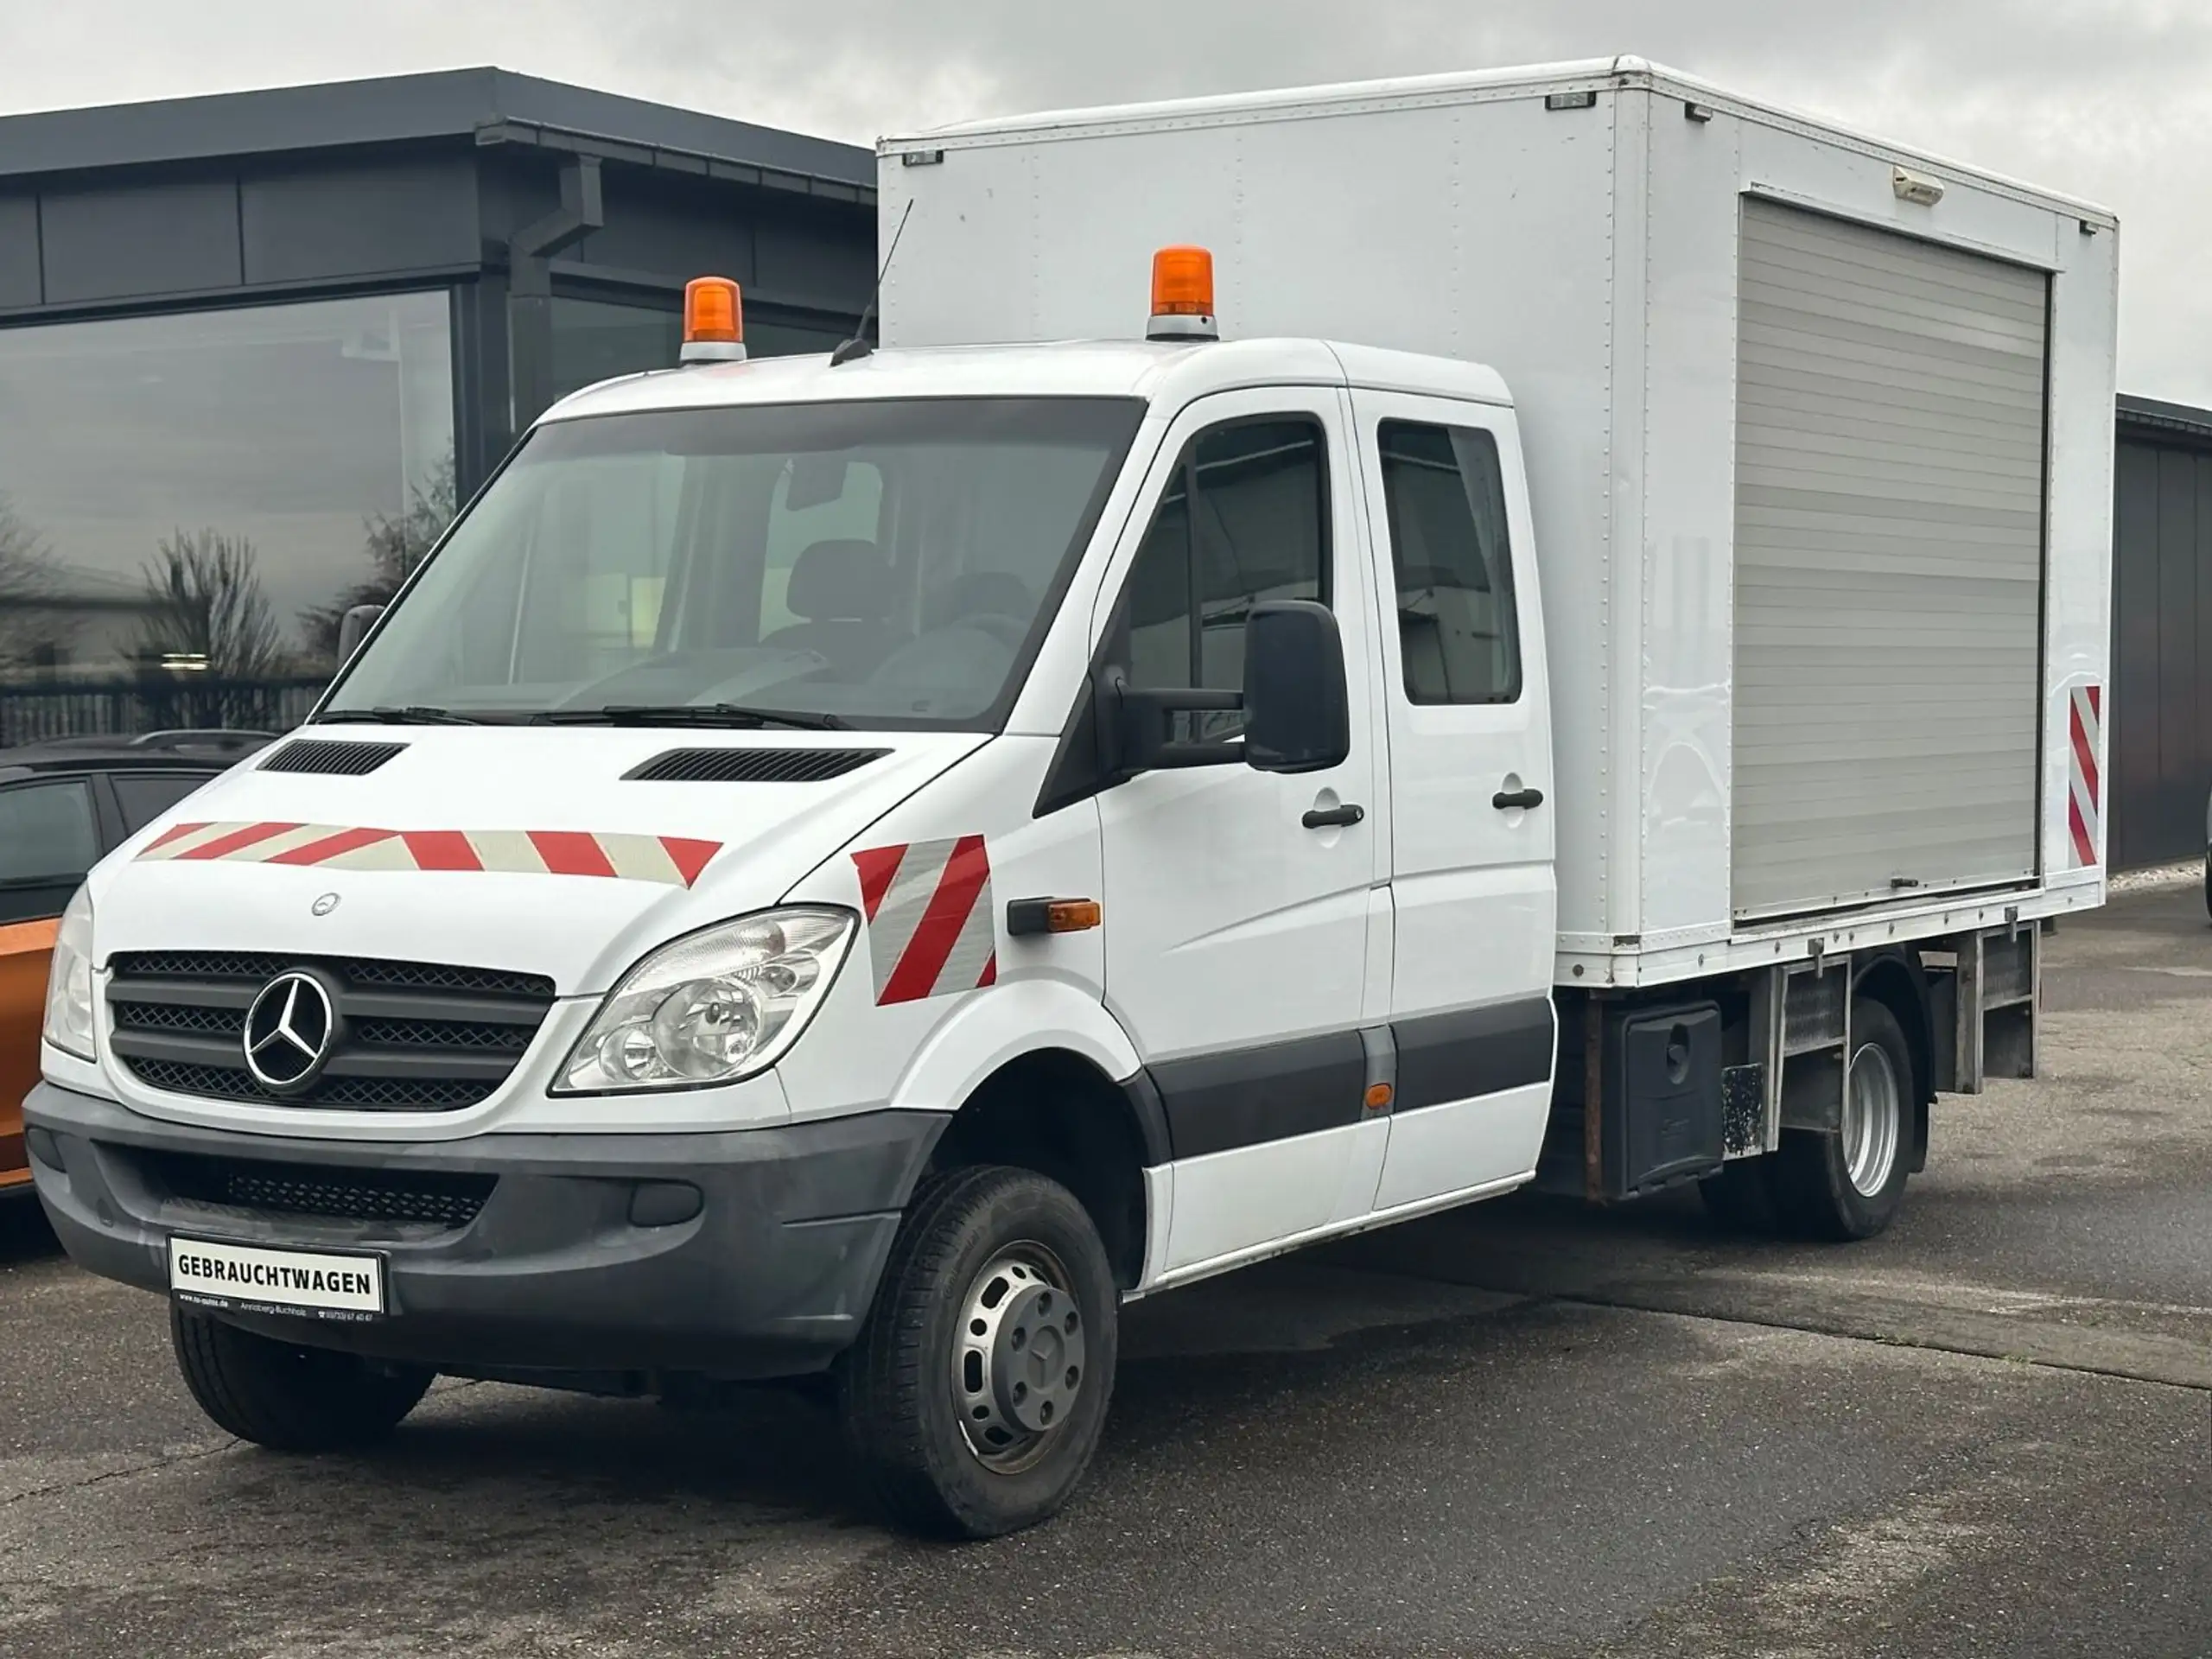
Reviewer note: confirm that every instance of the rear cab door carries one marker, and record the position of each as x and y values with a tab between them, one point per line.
1464	695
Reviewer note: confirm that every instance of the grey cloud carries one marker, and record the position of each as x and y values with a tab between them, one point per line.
2105	98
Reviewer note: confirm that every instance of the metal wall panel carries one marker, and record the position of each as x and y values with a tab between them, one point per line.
315	219
19	278
1889	565
121	243
2161	740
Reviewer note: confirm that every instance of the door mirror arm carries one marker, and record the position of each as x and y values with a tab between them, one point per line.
1137	727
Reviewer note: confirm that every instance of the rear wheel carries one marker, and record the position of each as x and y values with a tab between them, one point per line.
977	1390
1850	1184
288	1398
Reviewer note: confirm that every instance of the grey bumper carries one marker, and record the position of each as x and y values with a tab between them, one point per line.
736	1255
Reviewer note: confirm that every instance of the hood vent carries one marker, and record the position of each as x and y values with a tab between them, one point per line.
337	758
753	766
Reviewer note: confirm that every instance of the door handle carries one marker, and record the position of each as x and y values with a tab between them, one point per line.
1333	817
1506	799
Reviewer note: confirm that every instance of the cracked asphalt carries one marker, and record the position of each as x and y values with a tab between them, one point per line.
1522	1428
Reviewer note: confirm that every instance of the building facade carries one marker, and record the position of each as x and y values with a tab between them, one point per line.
255	349
2159	747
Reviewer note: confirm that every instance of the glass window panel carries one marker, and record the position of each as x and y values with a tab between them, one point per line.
1445	498
888	561
1259	532
598	340
189	503
145	795
45	835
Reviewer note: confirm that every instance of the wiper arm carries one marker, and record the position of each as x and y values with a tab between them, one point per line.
415	714
694	714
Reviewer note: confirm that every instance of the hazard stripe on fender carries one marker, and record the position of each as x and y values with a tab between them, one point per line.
671	861
930	931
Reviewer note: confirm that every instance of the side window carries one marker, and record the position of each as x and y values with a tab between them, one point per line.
1245	519
145	795
46	844
1445	498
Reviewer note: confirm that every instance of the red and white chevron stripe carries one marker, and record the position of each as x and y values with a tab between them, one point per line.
673	860
931	930
2084	811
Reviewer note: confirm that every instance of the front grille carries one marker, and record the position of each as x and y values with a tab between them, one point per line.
367	974
411	1037
431	1198
332	1094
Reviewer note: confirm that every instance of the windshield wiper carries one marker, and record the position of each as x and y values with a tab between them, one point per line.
694	714
415	714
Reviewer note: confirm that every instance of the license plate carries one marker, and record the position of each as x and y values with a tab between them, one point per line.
319	1284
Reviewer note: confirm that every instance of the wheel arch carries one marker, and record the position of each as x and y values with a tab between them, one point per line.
1895	980
1055	1111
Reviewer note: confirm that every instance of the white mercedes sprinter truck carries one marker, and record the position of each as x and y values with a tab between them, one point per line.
862	867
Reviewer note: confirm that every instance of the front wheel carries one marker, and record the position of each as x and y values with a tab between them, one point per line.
977	1390
288	1398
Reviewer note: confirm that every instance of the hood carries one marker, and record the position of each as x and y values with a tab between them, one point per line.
525	848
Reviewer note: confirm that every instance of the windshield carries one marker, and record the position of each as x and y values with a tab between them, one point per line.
885	563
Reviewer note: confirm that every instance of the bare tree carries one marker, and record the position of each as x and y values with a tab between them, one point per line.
29	572
395	545
206	607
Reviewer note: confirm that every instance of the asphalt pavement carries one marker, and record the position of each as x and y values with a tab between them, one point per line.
1523	1428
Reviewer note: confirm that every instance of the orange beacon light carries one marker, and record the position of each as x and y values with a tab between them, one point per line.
1182	296
714	322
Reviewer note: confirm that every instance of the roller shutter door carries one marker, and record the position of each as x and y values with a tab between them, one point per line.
1889	565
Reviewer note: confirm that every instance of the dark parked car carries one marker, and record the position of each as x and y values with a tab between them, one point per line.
63	805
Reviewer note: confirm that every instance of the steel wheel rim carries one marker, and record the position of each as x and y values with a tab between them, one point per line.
1019	1358
1873	1117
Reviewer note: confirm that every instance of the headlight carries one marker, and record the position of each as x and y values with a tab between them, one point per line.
69	984
718	1006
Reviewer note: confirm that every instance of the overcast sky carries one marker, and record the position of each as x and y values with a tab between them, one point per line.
2110	99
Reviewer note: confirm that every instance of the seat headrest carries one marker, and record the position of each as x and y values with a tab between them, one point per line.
840	581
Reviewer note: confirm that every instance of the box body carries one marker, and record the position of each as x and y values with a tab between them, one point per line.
1821	469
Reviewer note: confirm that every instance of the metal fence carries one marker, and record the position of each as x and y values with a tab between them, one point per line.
32	713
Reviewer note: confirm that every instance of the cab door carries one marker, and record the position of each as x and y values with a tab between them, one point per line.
1463	695
49	837
1244	920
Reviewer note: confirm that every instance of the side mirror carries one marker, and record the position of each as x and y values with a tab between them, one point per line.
1296	714
353	627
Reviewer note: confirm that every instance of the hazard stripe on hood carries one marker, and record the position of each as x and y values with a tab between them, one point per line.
671	861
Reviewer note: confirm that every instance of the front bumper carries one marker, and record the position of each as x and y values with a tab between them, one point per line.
573	1263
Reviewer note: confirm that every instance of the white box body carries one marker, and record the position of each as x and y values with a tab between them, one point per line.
1620	262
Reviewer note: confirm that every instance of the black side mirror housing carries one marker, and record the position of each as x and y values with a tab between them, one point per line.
353	627
1297	716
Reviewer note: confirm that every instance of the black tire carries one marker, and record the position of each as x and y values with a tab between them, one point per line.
287	1398
2208	882
1741	1197
896	1384
1812	1179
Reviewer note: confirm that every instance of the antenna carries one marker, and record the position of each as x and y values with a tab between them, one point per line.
857	347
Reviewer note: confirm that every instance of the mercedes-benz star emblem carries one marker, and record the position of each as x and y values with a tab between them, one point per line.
323	906
289	1031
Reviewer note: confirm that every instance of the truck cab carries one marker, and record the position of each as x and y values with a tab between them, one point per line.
822	849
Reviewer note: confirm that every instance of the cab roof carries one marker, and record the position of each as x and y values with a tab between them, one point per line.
1171	374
